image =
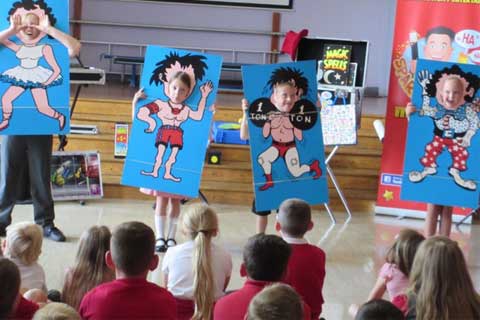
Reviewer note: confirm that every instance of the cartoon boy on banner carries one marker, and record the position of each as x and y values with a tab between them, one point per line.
284	124
37	63
448	99
171	126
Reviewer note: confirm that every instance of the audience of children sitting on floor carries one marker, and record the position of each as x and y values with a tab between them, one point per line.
284	275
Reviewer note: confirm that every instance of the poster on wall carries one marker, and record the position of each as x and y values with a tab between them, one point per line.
34	73
76	175
439	30
172	121
443	144
286	145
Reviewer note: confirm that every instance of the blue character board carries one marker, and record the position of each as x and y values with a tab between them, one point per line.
443	144
34	73
286	144
171	125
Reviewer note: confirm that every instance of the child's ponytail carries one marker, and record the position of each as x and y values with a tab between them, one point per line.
200	221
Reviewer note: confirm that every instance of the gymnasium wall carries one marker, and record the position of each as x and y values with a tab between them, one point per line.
370	20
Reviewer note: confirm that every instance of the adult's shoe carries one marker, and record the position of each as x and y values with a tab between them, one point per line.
53	233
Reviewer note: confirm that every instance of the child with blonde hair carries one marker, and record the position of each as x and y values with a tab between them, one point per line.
197	272
440	285
90	268
276	302
23	246
56	311
393	276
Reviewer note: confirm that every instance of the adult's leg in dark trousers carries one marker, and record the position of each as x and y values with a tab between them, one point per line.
12	162
39	154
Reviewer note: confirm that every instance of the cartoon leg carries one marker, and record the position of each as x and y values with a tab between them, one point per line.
429	160
417	176
459	157
11	94
158	162
266	159
293	163
41	100
168	165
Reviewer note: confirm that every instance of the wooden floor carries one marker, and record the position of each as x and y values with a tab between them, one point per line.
355	251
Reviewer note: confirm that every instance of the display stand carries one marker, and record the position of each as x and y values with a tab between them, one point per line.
314	48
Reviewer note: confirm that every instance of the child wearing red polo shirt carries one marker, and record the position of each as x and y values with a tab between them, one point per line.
306	267
130	296
265	258
12	304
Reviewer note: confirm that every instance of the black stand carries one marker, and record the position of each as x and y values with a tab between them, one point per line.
474	213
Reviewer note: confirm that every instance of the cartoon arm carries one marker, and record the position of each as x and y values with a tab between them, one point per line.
15	26
205	90
50	58
145	114
472	127
72	44
298	134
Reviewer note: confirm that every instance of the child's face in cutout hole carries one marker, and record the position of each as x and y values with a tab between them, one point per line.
178	91
452	94
30	33
284	97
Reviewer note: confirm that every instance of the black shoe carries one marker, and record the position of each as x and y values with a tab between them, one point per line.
161	245
53	233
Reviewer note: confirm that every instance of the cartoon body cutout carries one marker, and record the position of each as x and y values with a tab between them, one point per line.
30	19
178	75
455	121
283	117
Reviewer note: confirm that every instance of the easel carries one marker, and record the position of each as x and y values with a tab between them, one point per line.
338	189
313	48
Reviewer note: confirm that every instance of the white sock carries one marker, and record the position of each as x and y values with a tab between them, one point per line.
160	225
172	227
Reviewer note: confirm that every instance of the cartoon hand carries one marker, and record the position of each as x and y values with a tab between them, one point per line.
476	104
206	88
424	78
271	115
466	140
150	128
46	83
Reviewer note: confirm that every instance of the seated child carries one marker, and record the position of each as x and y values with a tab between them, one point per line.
379	309
306	267
276	302
56	311
440	285
12	304
197	272
23	246
393	276
90	268
265	259
130	296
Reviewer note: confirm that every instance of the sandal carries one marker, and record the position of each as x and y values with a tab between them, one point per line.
171	242
161	245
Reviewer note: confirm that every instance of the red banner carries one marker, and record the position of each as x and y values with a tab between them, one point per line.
438	30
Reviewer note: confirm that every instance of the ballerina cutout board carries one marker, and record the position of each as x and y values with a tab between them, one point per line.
171	126
34	73
443	143
286	144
